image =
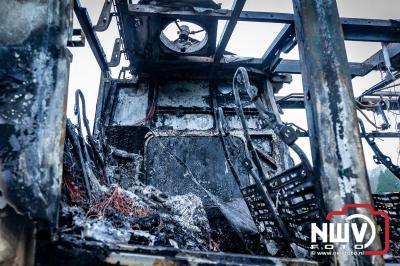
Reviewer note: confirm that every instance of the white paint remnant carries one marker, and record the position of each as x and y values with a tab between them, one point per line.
186	122
131	105
16	26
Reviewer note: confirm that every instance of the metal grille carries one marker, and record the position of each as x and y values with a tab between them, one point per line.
296	201
260	213
390	203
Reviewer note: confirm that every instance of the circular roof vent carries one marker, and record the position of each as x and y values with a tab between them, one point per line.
184	37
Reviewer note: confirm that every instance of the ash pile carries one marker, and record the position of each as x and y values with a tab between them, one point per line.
96	207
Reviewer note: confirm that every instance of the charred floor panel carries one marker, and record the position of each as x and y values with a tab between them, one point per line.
189	161
76	252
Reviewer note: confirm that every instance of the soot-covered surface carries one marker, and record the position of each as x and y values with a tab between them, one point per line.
135	214
192	164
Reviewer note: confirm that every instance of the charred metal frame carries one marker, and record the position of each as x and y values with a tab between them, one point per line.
45	70
372	30
296	101
229	28
354	29
379	157
331	115
295	32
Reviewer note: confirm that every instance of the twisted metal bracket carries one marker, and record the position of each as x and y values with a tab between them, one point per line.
249	164
75	142
379	157
286	132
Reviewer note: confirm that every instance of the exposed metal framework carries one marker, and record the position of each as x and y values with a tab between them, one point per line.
331	116
374	30
354	29
284	42
371	30
229	28
35	77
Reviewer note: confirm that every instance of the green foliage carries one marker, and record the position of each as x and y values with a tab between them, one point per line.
387	182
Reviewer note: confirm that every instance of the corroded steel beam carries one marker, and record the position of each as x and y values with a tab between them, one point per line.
229	28
377	59
331	114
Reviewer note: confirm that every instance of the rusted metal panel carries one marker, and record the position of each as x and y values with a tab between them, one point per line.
332	121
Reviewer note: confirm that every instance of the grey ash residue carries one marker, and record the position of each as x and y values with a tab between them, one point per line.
130	213
178	221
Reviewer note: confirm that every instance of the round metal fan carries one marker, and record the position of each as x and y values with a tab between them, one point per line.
185	42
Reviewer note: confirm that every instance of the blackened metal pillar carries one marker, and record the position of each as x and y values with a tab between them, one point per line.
33	94
335	140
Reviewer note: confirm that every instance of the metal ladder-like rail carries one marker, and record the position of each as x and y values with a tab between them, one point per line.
283	206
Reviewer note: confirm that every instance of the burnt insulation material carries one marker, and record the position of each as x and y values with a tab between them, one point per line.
136	214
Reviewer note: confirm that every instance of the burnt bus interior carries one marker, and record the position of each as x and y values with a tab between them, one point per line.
189	161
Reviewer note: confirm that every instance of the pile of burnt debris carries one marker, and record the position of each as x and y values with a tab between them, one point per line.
104	199
99	209
96	207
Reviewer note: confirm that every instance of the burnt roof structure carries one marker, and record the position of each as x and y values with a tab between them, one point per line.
140	26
